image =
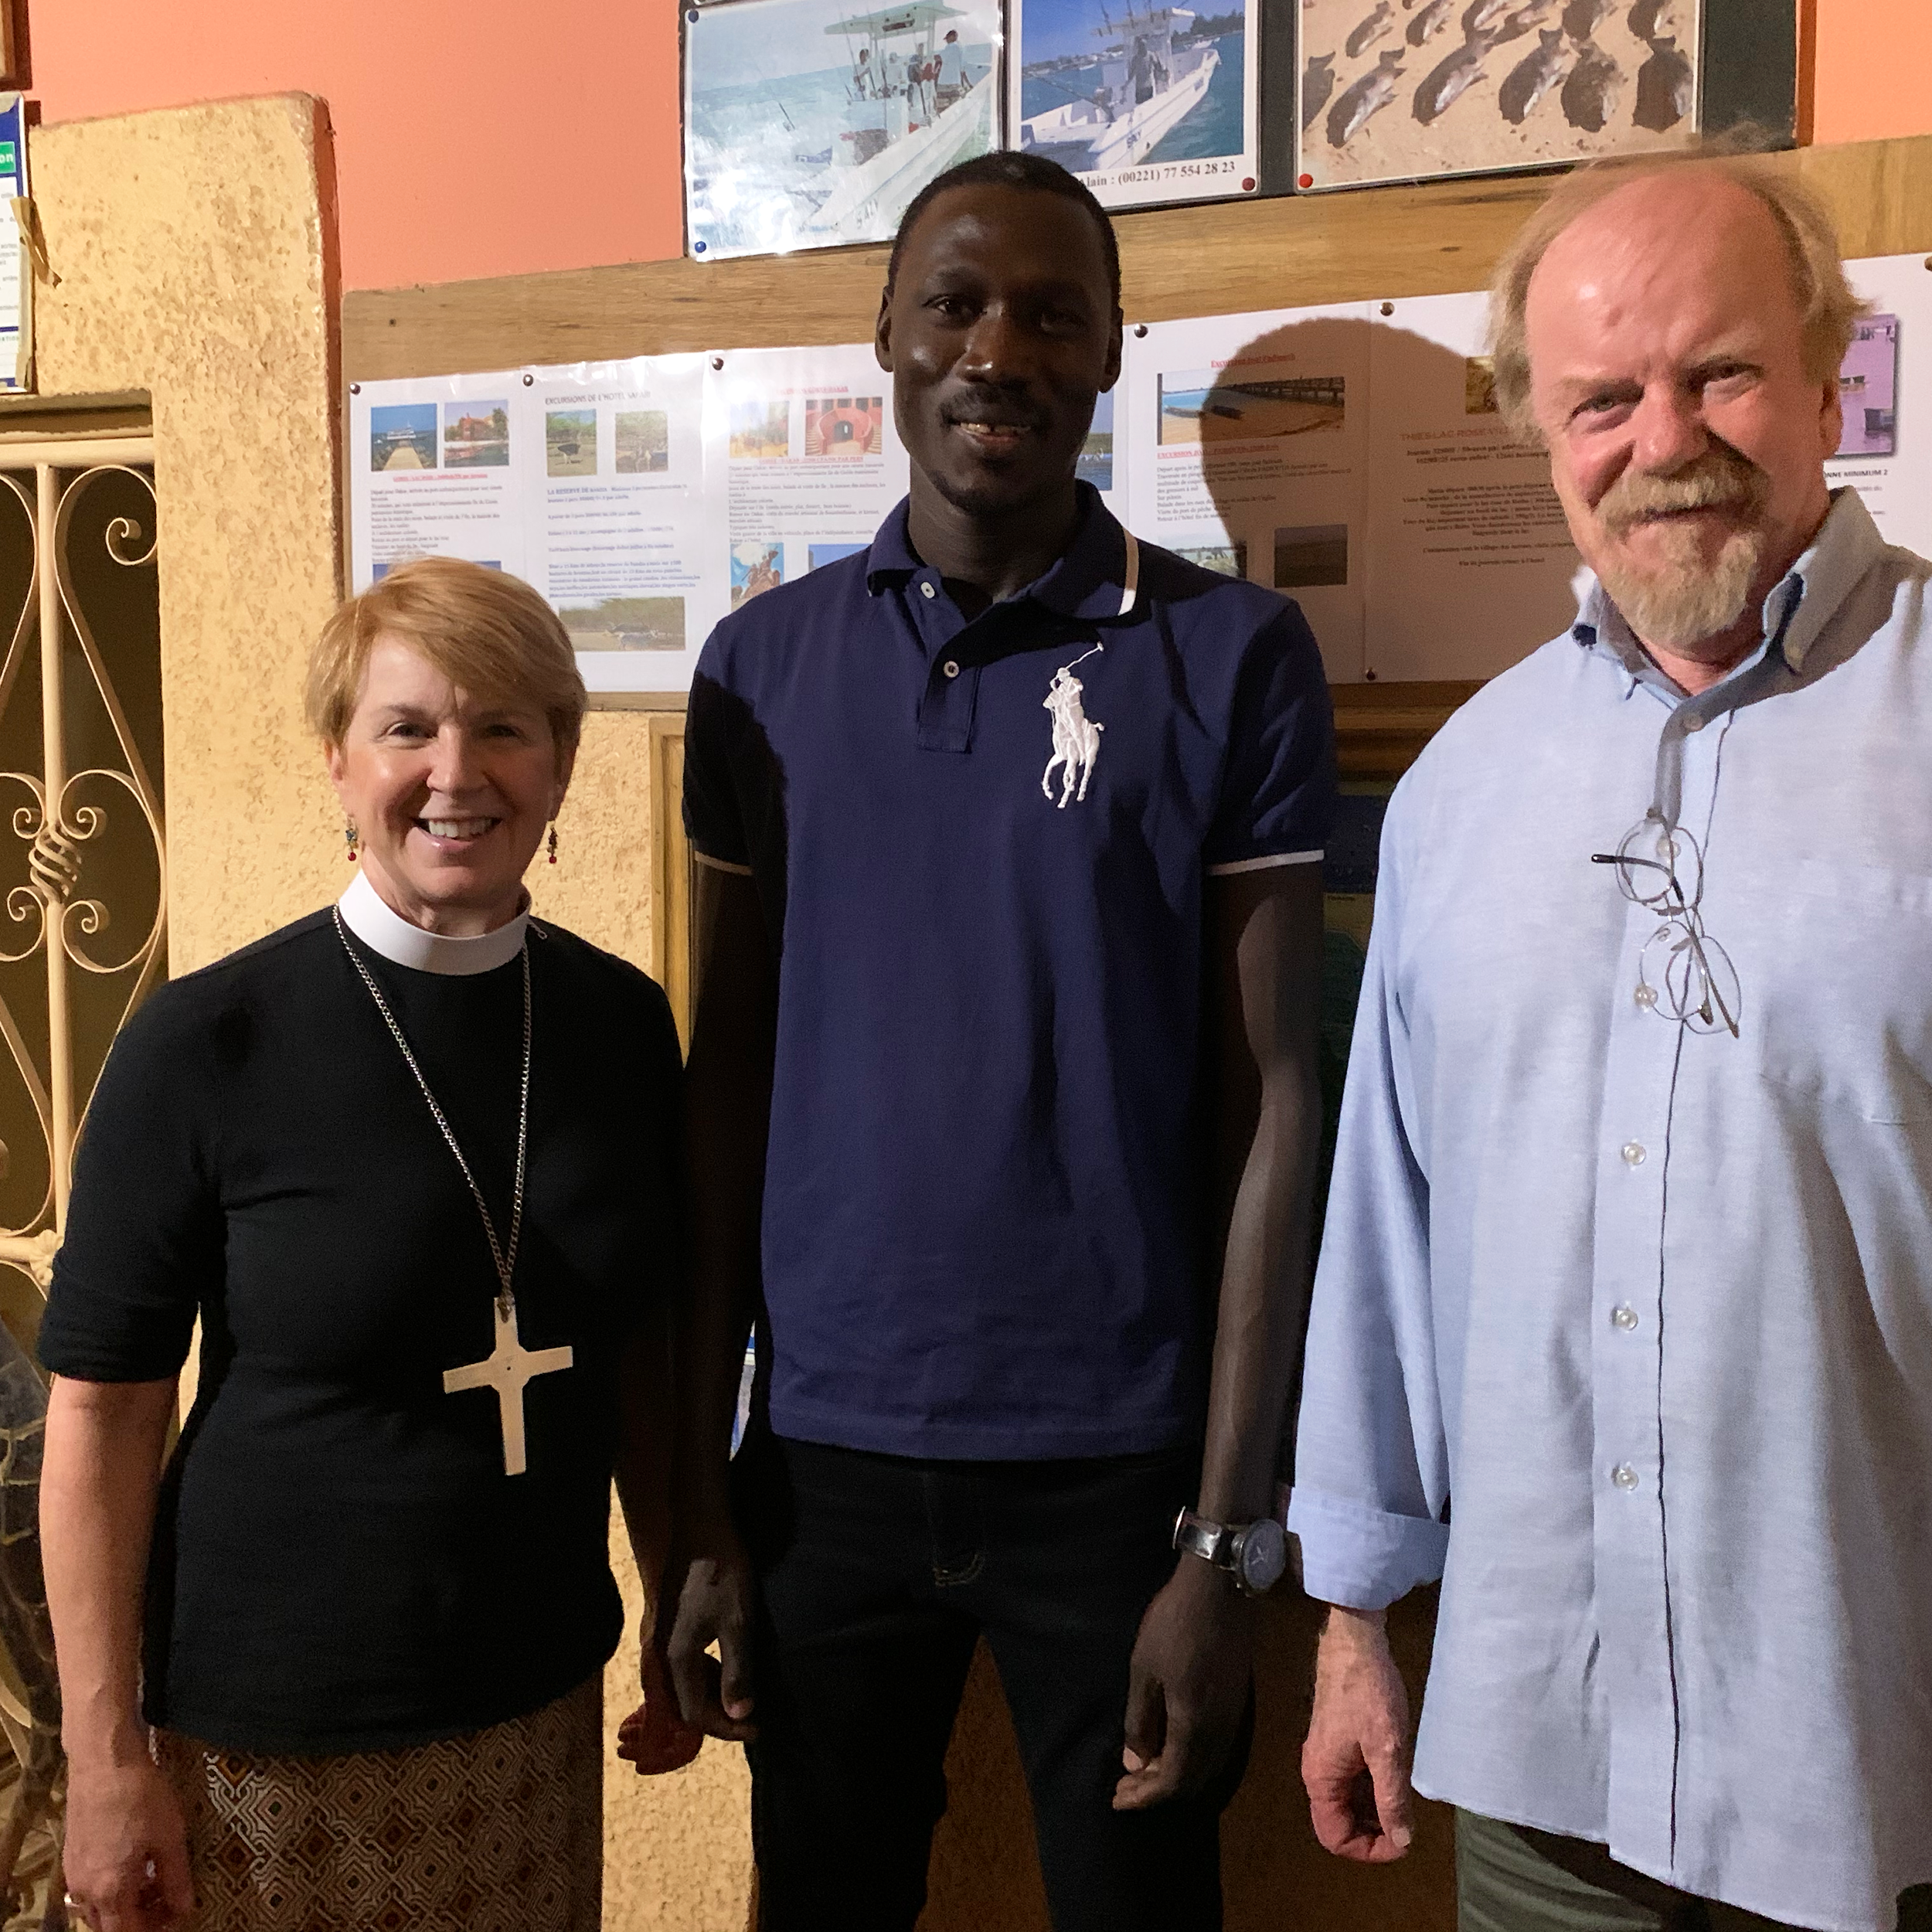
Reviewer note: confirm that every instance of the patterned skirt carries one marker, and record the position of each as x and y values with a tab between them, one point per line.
502	1831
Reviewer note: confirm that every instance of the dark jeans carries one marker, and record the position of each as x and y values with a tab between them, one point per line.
878	1575
1511	1879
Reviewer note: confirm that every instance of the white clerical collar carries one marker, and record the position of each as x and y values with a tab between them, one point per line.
390	934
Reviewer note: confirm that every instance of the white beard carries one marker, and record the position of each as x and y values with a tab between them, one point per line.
1688	599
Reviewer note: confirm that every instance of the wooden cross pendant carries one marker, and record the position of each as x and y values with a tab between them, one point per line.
506	1371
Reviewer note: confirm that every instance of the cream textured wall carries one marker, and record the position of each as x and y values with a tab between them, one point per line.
194	250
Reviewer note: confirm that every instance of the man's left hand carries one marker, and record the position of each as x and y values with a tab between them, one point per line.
1187	1685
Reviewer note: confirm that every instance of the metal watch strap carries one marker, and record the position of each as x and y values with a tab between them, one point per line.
1202	1536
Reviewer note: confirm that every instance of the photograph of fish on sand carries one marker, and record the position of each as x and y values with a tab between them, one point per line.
811	123
1399	90
1146	102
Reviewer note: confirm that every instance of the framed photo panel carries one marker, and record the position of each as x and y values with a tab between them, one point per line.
1146	102
811	123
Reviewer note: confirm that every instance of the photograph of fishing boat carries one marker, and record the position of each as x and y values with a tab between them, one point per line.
1144	102
1398	92
402	436
1208	406
808	123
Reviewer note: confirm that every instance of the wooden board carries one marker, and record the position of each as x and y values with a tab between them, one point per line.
1218	260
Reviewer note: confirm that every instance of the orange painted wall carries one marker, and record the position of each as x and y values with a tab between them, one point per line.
492	138
1874	70
472	136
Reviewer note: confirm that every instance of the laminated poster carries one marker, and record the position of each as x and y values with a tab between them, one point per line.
1885	388
1402	89
810	123
588	482
1250	455
1469	563
805	460
1145	103
620	546
16	271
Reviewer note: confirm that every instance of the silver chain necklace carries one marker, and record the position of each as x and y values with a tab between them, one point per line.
505	1260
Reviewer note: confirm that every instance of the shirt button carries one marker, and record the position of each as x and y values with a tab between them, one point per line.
1633	1151
926	590
1624	1317
950	668
1693	724
1624	1476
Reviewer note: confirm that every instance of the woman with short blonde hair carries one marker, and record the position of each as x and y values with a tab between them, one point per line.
410	1162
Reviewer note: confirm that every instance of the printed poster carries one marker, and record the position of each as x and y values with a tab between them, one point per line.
1249	456
1145	103
619	545
1470	562
16	271
805	460
1885	388
1402	89
438	467
810	123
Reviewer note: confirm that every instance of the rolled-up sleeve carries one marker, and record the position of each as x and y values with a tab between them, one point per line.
1371	1482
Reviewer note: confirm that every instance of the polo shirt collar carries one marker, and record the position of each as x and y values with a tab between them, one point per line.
1801	605
1090	580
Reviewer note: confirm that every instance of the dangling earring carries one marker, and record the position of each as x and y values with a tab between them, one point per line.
553	841
352	837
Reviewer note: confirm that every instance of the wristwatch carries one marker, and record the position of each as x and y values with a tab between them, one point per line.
1255	1553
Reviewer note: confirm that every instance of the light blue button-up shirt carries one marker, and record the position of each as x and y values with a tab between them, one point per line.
1653	1308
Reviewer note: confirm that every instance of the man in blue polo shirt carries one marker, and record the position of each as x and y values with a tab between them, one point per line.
1003	1113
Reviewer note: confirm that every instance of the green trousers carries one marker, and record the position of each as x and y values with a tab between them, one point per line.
1510	1878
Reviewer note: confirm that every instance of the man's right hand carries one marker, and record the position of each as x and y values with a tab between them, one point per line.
126	1852
713	1606
1355	1761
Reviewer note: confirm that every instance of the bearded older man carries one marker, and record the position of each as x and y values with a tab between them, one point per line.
1629	1250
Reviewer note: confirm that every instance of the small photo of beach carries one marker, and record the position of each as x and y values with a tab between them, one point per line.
845	425
570	442
1222	405
476	436
626	623
757	566
1225	560
402	436
1096	462
760	430
644	442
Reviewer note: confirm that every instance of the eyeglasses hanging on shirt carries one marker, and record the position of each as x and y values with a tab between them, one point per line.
1682	973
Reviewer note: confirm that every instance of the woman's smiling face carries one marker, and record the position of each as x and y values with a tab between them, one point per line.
450	792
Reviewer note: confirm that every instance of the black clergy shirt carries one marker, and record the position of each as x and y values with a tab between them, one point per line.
340	1563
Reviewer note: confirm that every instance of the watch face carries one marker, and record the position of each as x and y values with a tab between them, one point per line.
1264	1554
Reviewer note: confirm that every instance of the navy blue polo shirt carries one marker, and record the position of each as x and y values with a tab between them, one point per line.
981	847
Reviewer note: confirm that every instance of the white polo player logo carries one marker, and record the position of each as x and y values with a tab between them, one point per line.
1076	737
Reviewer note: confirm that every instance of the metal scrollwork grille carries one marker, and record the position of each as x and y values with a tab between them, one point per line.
83	897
